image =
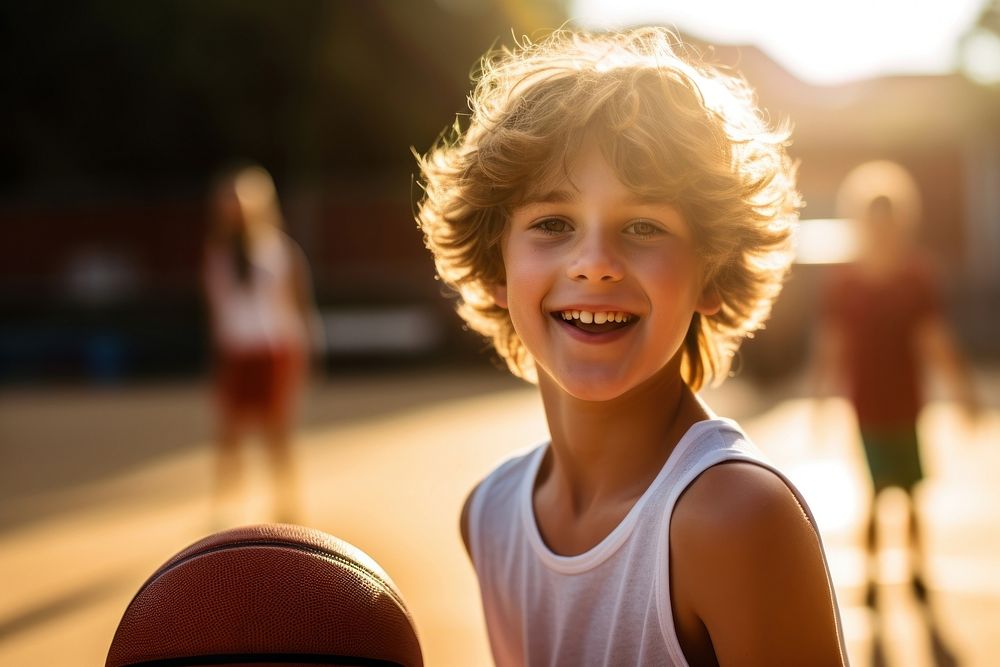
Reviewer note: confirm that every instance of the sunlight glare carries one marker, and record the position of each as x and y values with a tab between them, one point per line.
825	43
826	241
831	490
981	56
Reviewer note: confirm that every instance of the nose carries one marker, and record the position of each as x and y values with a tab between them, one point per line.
595	260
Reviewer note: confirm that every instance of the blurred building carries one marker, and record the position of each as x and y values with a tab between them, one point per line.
945	130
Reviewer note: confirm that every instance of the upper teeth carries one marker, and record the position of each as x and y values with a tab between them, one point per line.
588	317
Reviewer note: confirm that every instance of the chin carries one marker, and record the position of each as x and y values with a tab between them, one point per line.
595	386
608	381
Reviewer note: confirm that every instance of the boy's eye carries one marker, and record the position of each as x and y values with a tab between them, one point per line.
643	229
552	225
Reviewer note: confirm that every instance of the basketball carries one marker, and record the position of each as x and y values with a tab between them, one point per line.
272	594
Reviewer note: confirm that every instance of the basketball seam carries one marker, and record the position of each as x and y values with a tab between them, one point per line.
316	551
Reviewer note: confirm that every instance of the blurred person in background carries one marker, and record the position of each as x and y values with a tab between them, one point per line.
882	324
261	311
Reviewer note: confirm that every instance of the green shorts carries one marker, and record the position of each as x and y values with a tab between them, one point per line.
893	457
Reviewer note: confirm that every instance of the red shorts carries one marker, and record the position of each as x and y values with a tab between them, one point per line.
260	383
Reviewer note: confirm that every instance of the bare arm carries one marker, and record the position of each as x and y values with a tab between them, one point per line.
749	565
936	344
303	281
825	374
826	378
463	522
304	300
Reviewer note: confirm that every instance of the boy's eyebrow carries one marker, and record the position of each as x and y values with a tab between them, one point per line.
566	196
551	197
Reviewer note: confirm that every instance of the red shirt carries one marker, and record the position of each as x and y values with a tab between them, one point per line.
878	318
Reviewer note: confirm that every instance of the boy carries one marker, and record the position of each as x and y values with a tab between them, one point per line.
616	220
882	324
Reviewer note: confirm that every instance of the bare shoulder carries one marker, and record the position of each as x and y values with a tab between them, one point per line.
739	518
740	503
750	566
463	521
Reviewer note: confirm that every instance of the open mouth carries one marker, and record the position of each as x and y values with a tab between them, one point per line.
596	322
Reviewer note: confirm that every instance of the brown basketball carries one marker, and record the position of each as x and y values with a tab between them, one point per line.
273	594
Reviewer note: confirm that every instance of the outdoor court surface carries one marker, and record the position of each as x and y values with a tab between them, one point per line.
99	486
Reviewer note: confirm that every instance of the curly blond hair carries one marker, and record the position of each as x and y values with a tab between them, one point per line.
672	128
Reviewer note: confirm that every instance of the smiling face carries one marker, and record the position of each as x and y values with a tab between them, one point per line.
600	285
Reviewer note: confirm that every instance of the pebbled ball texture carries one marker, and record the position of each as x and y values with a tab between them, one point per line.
278	593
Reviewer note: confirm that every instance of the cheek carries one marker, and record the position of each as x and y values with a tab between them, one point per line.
527	271
675	301
676	277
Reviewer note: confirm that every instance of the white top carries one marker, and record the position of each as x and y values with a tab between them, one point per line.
263	312
611	604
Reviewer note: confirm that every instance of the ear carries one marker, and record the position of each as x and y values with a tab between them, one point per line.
499	294
710	301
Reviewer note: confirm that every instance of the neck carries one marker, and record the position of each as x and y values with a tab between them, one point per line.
616	447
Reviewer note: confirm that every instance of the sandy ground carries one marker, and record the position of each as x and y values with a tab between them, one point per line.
98	487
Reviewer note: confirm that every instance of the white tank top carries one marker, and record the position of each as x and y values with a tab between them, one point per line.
611	604
262	313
